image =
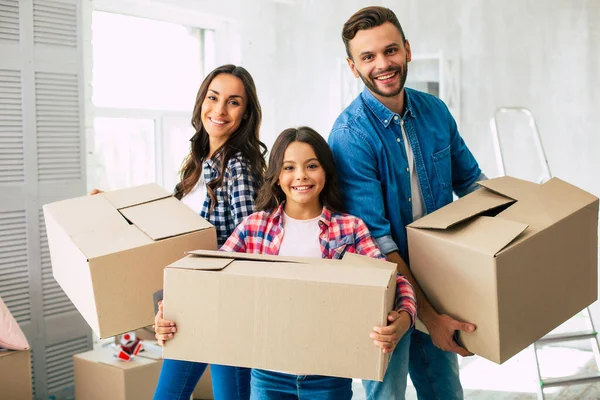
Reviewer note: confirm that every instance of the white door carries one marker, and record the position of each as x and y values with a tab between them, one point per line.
42	159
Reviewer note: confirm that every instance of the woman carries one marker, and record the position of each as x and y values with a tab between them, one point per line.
219	179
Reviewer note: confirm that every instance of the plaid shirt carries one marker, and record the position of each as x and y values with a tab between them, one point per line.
235	197
262	233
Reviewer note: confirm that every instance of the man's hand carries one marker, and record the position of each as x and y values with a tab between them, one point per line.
442	328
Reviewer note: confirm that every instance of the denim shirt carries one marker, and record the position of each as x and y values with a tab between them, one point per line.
373	170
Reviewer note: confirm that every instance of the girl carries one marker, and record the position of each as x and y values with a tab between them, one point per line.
300	216
219	179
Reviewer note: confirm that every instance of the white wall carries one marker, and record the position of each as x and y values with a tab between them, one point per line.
540	54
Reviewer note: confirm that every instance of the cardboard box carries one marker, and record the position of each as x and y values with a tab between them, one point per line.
296	315
515	258
108	252
100	375
15	375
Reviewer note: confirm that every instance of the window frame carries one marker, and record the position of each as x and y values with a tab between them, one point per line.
180	13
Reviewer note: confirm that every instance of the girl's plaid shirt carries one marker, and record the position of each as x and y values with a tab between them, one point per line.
262	233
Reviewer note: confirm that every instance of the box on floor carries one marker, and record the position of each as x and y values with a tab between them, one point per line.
100	375
296	315
15	375
109	250
515	258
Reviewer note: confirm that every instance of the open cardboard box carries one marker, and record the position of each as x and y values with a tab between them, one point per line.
290	314
109	250
100	375
515	258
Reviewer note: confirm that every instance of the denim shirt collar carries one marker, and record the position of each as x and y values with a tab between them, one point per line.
384	114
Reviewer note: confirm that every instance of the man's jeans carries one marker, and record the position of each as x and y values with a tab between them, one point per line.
268	385
433	372
178	379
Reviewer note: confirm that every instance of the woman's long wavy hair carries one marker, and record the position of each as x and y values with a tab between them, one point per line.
245	139
270	196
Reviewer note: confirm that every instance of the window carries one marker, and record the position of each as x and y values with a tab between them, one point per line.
146	74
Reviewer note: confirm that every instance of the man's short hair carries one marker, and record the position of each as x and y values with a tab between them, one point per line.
366	18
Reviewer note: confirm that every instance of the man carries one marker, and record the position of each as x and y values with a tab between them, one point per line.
400	156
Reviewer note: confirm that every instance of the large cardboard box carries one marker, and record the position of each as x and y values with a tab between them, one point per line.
514	258
108	252
100	375
15	375
296	315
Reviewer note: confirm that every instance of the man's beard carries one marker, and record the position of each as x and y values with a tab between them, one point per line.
370	83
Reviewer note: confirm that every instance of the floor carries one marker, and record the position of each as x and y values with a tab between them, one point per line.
517	378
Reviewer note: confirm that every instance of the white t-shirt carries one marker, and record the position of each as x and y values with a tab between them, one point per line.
300	237
195	198
416	197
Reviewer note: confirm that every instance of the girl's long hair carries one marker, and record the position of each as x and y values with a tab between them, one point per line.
245	139
270	196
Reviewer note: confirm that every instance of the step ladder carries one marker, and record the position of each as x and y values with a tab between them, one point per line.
528	134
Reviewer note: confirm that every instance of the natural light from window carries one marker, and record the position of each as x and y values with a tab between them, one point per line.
146	74
144	64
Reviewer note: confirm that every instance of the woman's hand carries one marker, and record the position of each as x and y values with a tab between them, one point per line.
96	191
388	337
163	329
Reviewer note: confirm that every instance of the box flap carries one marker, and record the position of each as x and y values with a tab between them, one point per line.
6	353
485	234
335	272
208	264
104	240
473	204
359	260
548	203
135	195
165	218
511	187
249	256
83	214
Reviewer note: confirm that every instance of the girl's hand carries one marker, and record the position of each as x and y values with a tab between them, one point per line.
388	337
96	191
164	329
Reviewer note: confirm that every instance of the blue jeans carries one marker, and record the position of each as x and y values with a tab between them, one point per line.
268	385
433	372
178	379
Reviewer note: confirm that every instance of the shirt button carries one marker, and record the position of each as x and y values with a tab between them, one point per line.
398	139
407	169
409	200
385	121
396	117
